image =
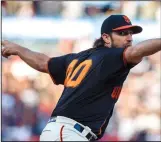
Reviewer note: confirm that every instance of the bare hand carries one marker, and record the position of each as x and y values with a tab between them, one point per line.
9	48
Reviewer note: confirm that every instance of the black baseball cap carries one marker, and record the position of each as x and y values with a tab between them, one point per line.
117	23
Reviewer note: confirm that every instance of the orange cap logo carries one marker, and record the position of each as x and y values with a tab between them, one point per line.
126	19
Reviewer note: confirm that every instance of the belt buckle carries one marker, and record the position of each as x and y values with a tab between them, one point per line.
79	128
91	138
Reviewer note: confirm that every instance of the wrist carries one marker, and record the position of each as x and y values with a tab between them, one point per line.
19	50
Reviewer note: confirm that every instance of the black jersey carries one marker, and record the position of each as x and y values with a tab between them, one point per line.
92	82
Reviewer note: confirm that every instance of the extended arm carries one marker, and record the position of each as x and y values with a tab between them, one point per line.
148	47
36	60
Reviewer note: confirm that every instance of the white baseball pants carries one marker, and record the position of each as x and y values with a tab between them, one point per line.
63	129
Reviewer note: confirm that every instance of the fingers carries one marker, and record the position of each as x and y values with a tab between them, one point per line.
5	56
5	52
8	48
4	49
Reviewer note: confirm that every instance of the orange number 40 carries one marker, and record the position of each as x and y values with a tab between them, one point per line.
70	74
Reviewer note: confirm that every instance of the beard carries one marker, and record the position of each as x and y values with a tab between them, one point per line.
121	46
113	45
128	45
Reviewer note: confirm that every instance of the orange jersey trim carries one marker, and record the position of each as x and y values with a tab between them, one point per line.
100	131
116	92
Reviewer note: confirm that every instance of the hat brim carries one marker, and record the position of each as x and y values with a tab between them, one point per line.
136	29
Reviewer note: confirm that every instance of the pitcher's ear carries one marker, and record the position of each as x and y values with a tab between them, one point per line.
106	38
104	35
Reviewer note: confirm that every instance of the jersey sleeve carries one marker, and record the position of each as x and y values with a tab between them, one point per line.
120	58
115	60
57	67
127	65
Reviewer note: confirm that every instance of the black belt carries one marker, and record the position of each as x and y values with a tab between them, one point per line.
89	136
79	128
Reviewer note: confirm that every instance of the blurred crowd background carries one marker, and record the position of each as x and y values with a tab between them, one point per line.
61	27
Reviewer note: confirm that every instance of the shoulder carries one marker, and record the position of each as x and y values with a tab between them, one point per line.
113	52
